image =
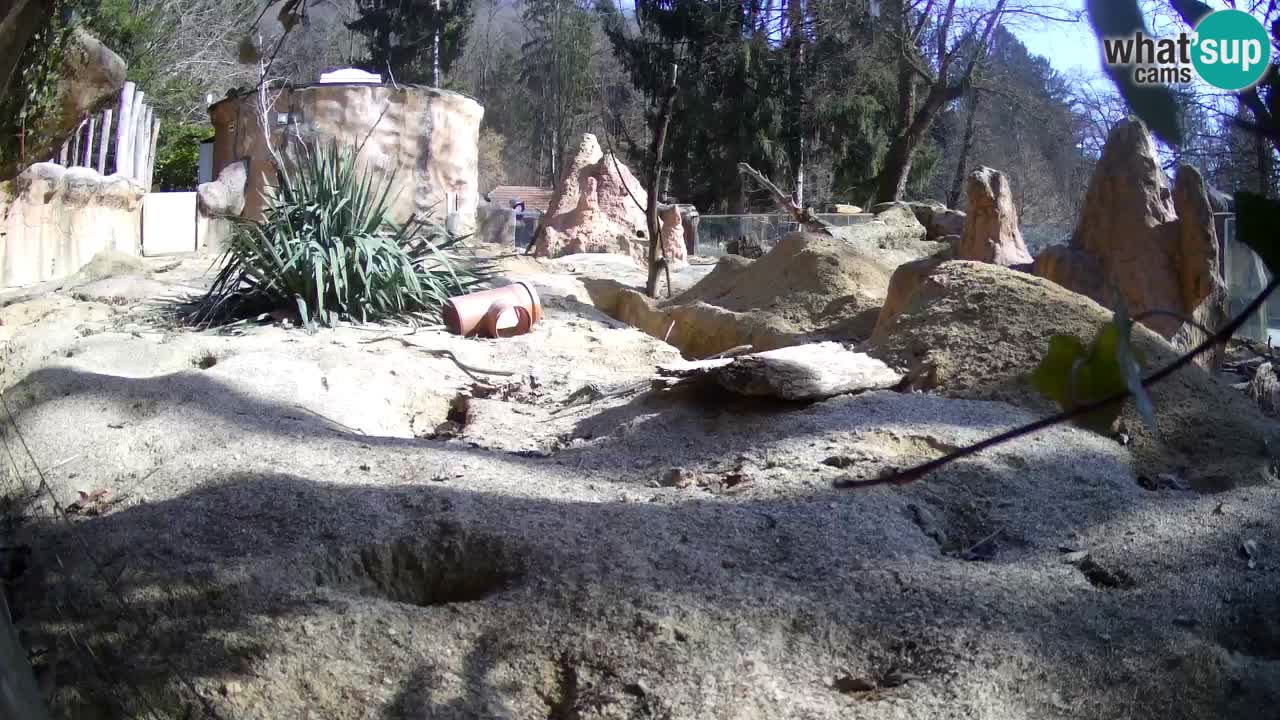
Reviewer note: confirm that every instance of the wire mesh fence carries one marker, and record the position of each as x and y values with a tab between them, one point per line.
720	234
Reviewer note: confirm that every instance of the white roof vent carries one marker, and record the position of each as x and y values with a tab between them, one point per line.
350	75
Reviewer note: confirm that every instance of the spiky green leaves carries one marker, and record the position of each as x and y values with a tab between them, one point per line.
328	248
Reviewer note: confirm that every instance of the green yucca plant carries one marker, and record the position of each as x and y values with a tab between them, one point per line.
327	248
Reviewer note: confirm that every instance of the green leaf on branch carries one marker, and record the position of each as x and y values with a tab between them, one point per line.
1257	219
1153	104
1073	375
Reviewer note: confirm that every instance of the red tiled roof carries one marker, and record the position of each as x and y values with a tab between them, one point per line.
534	198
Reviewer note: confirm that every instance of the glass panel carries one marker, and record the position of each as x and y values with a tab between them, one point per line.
1245	276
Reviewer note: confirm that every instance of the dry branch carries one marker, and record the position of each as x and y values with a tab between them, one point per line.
802	215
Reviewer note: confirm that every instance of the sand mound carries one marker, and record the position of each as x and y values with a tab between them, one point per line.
110	263
975	330
806	287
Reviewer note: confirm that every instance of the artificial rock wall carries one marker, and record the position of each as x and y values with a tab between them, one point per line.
57	219
429	137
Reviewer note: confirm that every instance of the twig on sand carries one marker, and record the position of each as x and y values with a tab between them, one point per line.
471	370
328	419
597	396
969	553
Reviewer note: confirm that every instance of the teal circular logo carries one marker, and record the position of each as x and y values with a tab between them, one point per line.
1232	50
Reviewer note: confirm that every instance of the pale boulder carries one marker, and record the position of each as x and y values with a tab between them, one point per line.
218	202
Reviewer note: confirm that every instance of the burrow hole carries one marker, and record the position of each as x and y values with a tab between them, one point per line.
448	566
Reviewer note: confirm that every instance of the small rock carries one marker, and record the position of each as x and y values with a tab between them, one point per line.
839	461
679	478
927	523
1104	577
636	688
230	687
1249	551
897	678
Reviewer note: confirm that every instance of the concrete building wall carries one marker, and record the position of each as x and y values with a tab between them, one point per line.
428	137
168	223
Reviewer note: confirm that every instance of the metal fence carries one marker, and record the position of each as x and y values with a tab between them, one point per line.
718	232
1246	275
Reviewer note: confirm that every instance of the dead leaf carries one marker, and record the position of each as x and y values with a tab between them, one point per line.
91	503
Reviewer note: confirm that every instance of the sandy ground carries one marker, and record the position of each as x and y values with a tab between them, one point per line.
318	526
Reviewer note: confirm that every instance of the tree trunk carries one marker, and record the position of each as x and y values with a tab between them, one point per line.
656	250
1262	152
21	20
800	176
966	146
902	152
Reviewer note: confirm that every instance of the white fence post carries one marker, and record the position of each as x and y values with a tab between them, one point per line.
106	140
124	157
88	141
151	152
135	122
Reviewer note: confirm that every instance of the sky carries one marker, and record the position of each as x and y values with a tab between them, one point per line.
1070	47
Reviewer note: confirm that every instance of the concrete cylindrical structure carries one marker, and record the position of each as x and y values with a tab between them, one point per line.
429	137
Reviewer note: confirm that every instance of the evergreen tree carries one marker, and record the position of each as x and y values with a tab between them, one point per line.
557	72
412	39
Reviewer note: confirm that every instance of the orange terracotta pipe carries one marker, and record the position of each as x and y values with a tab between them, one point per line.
501	312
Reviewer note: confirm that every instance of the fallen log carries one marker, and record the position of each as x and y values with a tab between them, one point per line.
802	372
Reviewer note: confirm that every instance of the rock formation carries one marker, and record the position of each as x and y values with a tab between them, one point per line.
1138	242
990	231
1264	390
91	77
938	220
59	218
893	235
599	208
